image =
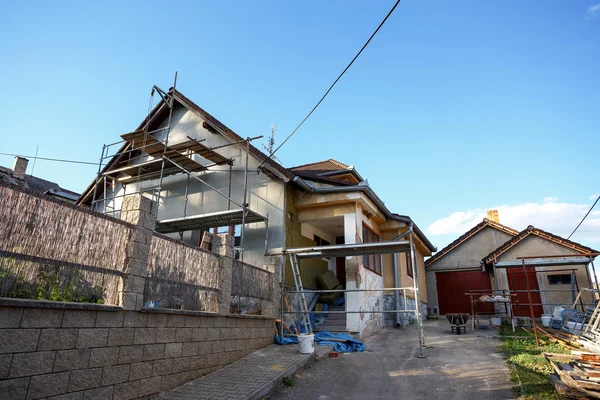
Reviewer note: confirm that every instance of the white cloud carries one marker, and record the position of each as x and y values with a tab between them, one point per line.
592	10
550	215
594	196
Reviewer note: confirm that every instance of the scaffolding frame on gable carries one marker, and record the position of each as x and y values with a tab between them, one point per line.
148	158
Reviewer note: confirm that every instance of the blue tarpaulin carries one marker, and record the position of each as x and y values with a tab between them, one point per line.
324	339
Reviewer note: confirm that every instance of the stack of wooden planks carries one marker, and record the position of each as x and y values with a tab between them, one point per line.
576	375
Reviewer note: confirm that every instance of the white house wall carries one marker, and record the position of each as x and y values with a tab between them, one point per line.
265	195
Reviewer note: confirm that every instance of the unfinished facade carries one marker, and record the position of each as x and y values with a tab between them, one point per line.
206	178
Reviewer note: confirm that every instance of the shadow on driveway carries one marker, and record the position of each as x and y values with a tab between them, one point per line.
456	367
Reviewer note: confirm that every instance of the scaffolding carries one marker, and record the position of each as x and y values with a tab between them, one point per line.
358	250
549	261
141	156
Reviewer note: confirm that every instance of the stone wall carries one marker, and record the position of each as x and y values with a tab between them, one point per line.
389	301
75	351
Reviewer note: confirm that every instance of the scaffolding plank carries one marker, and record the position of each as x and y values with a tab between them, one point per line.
350	250
202	151
206	221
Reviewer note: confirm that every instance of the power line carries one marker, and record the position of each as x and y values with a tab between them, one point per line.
333	84
588	213
50	159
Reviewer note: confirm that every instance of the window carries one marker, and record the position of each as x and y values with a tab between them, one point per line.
320	241
409	269
559	279
371	261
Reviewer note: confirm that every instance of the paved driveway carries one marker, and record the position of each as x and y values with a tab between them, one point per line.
455	367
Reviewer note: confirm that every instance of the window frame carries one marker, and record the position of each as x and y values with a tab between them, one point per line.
409	267
560	277
372	262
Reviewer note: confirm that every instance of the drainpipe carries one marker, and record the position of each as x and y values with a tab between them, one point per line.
396	277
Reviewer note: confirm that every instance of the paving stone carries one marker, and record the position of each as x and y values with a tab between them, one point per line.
239	380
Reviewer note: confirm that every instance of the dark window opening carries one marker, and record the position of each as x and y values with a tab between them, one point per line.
409	268
559	279
372	261
320	241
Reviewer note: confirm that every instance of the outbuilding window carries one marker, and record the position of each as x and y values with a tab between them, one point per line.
564	279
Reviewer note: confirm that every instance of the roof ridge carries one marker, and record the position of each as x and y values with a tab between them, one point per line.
467	235
532	230
319	162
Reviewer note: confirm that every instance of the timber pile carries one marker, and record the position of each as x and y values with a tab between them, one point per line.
576	375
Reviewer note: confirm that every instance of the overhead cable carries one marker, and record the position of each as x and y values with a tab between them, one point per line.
588	213
333	84
50	159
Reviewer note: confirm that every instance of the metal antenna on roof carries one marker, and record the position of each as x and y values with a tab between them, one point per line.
34	158
271	142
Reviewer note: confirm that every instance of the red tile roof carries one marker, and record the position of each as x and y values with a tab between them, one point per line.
320	167
467	235
531	230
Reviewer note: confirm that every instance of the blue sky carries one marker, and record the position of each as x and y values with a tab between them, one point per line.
454	108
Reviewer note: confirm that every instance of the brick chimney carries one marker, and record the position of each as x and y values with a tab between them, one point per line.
493	216
20	166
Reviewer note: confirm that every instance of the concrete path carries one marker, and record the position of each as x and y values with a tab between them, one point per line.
456	367
251	377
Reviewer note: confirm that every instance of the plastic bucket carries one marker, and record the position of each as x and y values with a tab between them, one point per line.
496	321
546	319
306	343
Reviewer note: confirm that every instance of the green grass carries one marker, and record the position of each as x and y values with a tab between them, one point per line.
528	368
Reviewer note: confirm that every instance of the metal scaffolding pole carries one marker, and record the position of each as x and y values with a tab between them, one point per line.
244	203
415	269
162	168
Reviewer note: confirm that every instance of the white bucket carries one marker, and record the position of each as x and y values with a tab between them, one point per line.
546	319
306	343
495	321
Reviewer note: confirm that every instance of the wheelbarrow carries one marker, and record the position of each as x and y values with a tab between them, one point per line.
458	322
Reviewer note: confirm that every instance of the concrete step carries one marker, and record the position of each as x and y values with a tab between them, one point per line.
330	328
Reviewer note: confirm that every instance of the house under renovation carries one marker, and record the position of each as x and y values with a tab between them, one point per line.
206	178
489	258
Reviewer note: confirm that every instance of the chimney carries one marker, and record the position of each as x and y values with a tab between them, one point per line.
493	216
20	166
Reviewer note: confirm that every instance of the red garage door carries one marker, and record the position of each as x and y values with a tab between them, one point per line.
517	283
451	288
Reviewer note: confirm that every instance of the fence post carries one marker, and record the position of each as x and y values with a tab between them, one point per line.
141	212
222	245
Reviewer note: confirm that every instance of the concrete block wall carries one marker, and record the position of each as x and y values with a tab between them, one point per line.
102	352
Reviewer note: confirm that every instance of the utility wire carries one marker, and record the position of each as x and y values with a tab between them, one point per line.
588	213
50	159
333	84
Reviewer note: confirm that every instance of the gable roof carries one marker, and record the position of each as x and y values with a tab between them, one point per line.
161	109
320	167
531	230
469	234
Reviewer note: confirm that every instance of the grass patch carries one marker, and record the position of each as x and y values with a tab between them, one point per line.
528	368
